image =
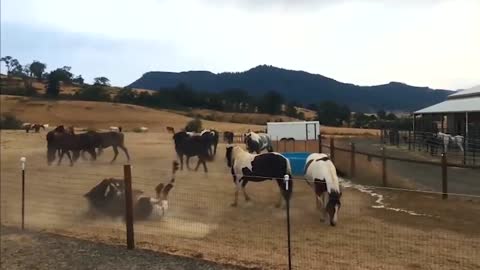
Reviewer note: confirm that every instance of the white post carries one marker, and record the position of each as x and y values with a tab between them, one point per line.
286	178
23	160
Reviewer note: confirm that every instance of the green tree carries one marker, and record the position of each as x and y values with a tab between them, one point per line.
16	68
93	93
127	95
8	63
291	110
9	121
103	81
331	114
360	120
271	103
62	74
194	125
78	80
391	117
37	69
381	114
53	84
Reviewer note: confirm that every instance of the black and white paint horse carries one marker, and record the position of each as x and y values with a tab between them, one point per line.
258	142
247	167
212	136
108	199
320	171
228	137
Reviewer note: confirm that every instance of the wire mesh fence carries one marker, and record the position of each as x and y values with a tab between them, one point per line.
460	149
380	228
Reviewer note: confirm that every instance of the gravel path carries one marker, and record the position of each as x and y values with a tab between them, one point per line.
33	250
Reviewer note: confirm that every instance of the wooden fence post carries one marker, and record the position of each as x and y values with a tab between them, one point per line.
384	167
444	177
129	206
352	160
319	143
332	149
409	139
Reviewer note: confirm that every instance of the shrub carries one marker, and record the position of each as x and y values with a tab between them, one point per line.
210	117
93	93
9	121
194	125
18	91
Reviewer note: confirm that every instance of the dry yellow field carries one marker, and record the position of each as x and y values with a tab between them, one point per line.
102	115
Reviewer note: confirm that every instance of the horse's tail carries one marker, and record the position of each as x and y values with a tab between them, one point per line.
332	178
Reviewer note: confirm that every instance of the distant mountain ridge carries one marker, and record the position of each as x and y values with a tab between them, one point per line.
300	86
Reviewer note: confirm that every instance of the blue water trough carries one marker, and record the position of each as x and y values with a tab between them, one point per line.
297	161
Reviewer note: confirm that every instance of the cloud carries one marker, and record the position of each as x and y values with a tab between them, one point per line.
426	42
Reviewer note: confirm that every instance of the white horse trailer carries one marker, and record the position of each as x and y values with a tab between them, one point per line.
300	131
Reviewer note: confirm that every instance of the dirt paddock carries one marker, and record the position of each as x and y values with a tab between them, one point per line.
201	223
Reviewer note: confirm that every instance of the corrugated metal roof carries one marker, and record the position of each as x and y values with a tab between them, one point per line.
470	104
468	92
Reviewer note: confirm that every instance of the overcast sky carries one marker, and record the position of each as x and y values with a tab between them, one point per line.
432	43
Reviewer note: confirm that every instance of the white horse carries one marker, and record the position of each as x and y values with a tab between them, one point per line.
320	171
447	138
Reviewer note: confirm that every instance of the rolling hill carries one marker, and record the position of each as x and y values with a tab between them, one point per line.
300	86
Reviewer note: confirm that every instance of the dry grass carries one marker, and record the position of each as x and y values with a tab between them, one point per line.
101	115
200	223
309	114
251	118
344	131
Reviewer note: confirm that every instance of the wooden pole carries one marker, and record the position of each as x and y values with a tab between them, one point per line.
409	140
465	148
332	149
319	143
444	177
352	160
414	132
384	167
129	206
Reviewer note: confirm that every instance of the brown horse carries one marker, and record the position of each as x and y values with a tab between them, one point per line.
65	141
35	127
